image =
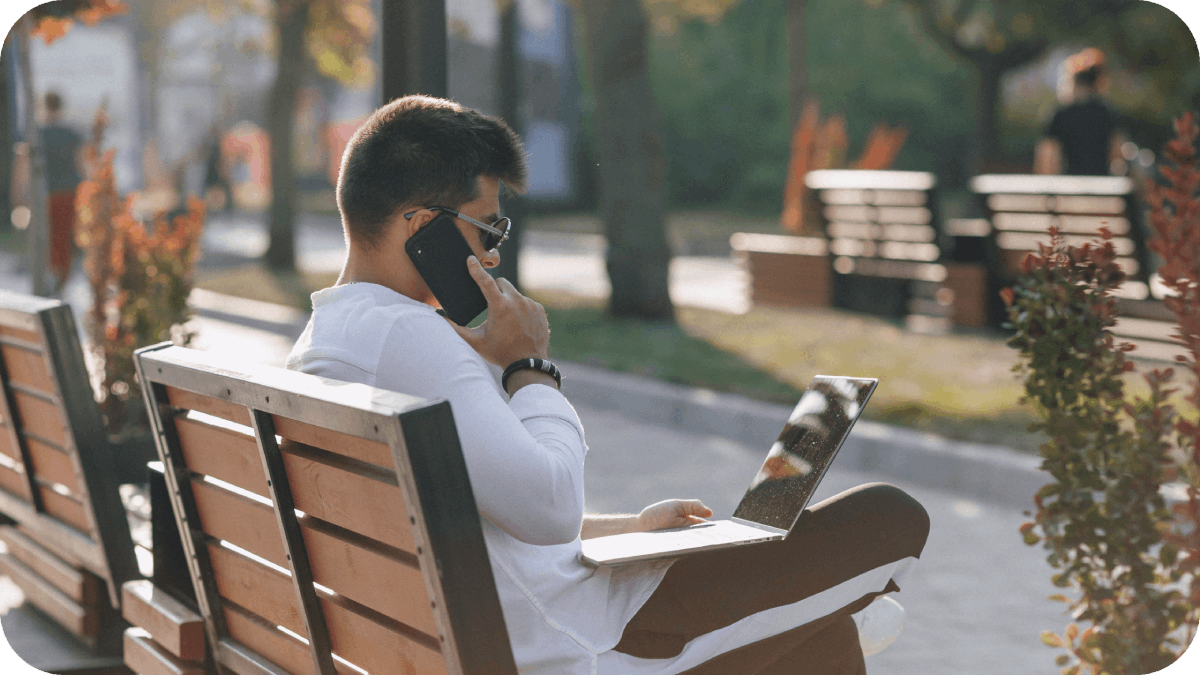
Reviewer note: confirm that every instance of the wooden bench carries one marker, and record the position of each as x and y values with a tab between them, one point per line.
885	244
1022	208
327	527
67	541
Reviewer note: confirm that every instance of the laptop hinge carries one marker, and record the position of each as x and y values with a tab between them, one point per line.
760	526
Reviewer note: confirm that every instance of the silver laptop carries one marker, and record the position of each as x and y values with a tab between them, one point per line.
779	492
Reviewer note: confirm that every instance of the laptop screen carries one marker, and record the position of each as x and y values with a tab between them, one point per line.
798	460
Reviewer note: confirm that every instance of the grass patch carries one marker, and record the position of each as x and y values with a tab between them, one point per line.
582	332
957	386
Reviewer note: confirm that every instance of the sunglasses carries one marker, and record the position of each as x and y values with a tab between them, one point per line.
490	236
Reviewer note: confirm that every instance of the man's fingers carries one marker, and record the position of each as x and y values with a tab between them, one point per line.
694	507
486	283
505	286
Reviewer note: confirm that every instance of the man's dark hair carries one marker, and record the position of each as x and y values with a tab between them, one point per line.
419	151
53	102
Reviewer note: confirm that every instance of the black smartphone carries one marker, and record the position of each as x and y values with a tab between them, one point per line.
439	252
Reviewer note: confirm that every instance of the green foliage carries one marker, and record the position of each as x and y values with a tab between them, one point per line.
723	90
1103	517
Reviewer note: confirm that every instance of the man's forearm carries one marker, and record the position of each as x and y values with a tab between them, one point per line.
603	526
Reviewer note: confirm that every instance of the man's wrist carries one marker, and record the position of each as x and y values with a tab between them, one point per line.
534	364
526	377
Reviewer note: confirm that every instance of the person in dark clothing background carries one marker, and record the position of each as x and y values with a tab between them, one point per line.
215	175
63	147
1084	137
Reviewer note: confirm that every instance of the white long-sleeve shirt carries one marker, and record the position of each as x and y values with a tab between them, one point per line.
524	456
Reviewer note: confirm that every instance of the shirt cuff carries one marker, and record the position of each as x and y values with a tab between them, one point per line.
542	400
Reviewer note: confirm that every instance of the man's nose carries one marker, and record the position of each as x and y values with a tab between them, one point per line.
490	259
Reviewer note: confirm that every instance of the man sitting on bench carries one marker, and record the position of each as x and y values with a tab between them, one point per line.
782	607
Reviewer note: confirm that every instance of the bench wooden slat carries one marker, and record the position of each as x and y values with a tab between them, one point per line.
222	453
281	649
48	544
65	509
146	657
189	400
359	504
355	572
177	629
240	521
82	620
332	441
40	418
6	444
257	588
375	648
8	331
52	464
27	368
79	585
14	483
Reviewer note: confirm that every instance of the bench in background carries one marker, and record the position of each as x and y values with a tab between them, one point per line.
324	524
67	541
1020	211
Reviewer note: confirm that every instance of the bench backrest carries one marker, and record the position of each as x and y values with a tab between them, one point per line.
56	479
1022	208
884	240
325	512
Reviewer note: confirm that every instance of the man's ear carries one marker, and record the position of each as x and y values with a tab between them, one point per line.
419	219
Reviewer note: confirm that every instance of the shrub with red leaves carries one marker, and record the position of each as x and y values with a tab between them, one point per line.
140	275
1104	519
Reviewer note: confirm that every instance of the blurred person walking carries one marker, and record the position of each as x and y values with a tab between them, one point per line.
1084	133
216	176
64	159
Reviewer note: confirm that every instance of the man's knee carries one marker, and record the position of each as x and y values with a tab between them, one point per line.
899	517
888	517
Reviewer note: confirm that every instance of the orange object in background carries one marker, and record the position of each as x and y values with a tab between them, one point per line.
818	146
883	144
792	218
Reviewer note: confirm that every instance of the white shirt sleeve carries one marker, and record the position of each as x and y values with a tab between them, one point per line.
524	456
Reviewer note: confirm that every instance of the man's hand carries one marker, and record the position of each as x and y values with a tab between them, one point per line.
672	513
669	513
516	327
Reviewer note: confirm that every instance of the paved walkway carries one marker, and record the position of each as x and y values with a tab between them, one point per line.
977	603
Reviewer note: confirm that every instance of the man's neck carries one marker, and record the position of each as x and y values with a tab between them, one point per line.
399	278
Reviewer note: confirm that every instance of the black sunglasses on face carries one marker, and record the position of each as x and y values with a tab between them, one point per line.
490	236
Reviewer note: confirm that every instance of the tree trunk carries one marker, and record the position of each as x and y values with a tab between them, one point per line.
629	151
509	89
38	240
797	66
291	19
985	147
413	55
